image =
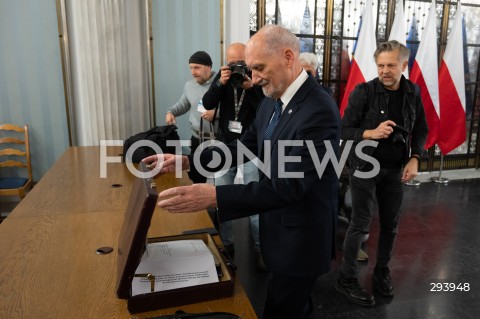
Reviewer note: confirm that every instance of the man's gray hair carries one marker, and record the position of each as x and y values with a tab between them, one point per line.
309	58
278	38
404	52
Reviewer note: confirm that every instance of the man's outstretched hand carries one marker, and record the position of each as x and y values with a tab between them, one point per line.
183	199
167	162
187	199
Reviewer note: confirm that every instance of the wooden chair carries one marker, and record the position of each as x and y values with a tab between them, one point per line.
15	165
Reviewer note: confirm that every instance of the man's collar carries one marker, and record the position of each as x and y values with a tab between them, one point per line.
293	88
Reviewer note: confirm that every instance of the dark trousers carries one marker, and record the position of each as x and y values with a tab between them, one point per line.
388	189
289	297
195	176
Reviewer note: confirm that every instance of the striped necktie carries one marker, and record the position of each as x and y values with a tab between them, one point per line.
274	121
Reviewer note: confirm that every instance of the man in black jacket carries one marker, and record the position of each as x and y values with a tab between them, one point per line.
389	111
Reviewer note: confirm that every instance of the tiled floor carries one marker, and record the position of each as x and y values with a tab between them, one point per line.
438	242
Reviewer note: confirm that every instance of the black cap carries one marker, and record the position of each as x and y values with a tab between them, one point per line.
200	57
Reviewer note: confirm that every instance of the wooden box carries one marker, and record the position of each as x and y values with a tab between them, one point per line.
131	246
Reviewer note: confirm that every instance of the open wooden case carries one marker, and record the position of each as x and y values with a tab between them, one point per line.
131	246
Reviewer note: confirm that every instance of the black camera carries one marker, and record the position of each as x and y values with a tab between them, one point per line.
399	134
239	70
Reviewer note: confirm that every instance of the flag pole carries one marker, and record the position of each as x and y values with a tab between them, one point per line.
440	179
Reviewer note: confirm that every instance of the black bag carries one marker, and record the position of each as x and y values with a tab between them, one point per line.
159	135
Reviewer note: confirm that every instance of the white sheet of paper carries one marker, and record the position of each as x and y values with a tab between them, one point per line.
175	264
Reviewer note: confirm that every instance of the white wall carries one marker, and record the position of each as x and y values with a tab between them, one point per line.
236	21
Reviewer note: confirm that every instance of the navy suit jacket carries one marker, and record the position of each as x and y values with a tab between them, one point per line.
297	215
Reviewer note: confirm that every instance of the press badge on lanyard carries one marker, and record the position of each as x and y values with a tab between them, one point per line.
200	107
235	126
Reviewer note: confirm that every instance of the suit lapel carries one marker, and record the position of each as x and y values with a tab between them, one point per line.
287	114
292	107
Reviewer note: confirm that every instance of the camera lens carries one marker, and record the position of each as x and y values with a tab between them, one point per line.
398	138
238	74
237	79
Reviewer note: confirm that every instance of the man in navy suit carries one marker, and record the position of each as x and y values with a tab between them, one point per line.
297	126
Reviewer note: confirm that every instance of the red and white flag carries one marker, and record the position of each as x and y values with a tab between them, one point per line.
452	90
425	73
363	66
399	29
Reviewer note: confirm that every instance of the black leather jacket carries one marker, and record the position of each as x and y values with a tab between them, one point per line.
367	108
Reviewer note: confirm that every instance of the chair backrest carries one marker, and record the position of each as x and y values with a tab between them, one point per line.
14	158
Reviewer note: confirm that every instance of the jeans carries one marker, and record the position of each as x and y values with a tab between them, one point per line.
250	174
388	189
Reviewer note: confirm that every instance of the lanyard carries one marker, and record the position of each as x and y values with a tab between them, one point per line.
238	103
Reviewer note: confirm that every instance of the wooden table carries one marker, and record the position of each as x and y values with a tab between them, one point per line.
48	264
73	185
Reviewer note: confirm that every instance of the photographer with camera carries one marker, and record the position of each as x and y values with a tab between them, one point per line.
232	89
388	110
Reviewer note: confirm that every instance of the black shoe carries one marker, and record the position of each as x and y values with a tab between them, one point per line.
259	262
382	281
354	292
230	250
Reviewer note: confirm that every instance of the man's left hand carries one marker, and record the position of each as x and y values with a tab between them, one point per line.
410	171
186	199
167	162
